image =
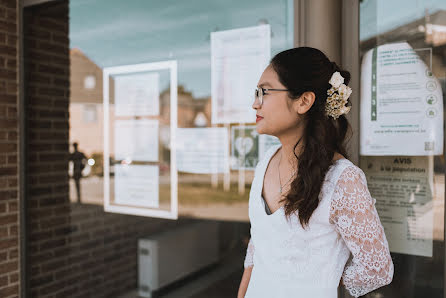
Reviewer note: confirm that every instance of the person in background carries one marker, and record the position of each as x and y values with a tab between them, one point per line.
79	162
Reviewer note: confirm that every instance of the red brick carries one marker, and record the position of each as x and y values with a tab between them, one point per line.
8	99
13	254
51	69
3	232
12	206
2	40
2	12
13	278
8	171
12	182
60	38
7	194
6	26
10	3
52	244
9	51
53	25
41	280
8	267
12	112
3	111
8	147
12	136
3	280
38	34
8	219
11	63
11	15
9	291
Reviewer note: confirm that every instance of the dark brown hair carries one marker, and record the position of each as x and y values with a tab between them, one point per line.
308	69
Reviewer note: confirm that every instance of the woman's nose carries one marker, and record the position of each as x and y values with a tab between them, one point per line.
256	104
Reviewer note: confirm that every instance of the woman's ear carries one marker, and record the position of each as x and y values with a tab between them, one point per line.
304	102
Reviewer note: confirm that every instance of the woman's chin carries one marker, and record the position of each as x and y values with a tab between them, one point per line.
259	129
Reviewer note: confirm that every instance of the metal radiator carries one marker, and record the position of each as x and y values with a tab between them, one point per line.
172	255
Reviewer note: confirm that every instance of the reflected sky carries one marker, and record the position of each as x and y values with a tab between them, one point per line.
112	32
379	16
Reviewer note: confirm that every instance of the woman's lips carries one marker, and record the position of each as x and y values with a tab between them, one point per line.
258	118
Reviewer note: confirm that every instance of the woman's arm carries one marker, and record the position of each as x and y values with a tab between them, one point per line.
354	215
248	264
245	282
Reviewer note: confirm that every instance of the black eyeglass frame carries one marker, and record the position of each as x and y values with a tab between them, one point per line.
259	95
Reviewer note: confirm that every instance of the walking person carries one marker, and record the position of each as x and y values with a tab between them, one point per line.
314	225
79	162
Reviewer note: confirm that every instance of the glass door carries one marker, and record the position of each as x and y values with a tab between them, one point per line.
403	75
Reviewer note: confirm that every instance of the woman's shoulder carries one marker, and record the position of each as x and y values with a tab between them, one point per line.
344	169
341	166
341	174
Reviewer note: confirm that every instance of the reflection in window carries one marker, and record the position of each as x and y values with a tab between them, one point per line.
90	113
402	128
159	31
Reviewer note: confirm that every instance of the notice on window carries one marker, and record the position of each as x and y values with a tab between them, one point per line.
238	58
137	95
244	147
402	187
136	140
137	185
266	142
203	150
401	104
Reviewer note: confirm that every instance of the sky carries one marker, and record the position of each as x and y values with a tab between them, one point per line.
379	16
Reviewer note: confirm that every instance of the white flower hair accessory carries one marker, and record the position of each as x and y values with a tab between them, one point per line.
338	96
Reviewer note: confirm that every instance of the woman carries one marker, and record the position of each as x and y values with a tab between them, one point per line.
309	205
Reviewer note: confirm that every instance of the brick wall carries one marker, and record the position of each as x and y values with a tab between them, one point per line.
46	91
9	148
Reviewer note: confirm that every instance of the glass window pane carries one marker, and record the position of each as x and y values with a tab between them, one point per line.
402	48
79	53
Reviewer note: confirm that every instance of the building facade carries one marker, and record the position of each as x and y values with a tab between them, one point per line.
63	66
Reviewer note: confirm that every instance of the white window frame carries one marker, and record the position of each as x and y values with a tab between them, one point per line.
172	66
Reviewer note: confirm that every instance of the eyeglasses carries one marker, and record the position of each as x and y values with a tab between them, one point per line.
262	91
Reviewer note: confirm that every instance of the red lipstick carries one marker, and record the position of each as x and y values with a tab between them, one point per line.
258	118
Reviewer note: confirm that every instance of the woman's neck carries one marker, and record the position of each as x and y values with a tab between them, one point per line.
288	142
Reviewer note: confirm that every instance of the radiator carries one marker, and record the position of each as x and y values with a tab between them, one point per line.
172	255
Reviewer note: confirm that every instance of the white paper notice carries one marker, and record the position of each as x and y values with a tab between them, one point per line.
402	189
266	142
136	140
401	104
203	150
238	58
137	95
137	185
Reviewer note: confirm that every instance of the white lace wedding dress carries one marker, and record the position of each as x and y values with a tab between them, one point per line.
293	262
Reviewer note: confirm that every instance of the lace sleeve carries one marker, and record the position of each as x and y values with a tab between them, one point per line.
249	255
355	217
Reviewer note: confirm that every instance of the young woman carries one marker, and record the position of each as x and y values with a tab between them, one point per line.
309	206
